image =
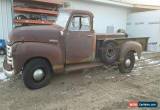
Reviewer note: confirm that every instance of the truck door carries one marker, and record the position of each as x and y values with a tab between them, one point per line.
80	40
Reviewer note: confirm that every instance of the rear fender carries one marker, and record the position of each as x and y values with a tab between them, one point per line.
130	46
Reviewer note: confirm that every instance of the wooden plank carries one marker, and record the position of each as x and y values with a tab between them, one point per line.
33	22
56	2
32	10
60	2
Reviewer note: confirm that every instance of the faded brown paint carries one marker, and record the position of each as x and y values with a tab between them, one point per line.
130	46
109	36
30	50
60	50
79	46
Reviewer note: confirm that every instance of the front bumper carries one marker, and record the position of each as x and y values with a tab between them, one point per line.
8	73
8	68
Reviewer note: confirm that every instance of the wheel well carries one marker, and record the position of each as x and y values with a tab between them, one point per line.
38	58
133	51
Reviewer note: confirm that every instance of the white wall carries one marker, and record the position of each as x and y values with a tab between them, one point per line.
105	15
5	18
143	2
146	24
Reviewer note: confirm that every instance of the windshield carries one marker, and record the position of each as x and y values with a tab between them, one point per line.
62	19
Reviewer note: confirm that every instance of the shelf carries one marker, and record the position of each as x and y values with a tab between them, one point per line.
46	7
32	10
38	22
59	2
56	2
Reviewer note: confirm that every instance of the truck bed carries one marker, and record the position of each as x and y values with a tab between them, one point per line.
101	36
120	39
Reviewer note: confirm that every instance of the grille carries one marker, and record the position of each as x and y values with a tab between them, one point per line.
9	55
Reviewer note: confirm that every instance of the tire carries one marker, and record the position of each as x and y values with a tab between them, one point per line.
30	74
109	52
127	64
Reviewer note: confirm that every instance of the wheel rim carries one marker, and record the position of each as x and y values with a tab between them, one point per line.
38	75
128	62
110	52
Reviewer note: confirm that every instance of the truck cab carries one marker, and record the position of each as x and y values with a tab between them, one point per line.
69	44
80	39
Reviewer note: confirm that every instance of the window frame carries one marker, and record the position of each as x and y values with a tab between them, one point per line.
80	15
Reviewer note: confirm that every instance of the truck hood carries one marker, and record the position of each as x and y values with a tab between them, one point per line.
35	34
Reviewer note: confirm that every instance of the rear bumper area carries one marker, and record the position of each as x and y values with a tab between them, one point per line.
8	69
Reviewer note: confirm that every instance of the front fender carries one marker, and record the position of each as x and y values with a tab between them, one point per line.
28	50
131	46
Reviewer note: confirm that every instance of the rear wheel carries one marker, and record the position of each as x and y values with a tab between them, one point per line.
127	64
37	73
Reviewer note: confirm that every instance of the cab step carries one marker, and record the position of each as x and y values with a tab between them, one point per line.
76	67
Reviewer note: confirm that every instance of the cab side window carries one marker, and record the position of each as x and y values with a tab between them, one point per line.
75	24
80	23
85	23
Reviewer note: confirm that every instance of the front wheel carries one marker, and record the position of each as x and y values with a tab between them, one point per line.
37	73
127	64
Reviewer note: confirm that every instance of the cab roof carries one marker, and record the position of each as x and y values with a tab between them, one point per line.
74	11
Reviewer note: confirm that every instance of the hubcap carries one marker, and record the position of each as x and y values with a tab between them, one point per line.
128	62
110	53
38	74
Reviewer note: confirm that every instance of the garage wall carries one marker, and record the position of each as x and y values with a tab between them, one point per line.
146	24
5	18
108	18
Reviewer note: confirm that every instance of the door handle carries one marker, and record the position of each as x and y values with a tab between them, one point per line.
53	41
90	35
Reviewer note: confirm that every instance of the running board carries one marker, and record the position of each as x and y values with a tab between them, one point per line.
76	67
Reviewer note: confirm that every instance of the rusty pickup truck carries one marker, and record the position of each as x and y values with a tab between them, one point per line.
68	45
